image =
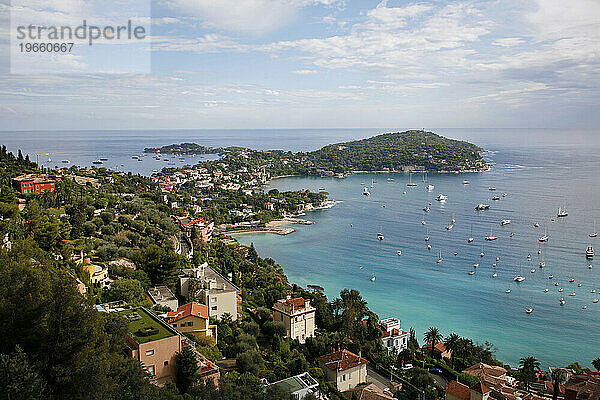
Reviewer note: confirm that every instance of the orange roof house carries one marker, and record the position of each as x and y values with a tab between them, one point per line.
192	318
345	368
438	348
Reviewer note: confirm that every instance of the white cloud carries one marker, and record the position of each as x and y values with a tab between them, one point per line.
508	42
305	72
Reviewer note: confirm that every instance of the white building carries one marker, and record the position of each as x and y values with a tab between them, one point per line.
394	338
297	315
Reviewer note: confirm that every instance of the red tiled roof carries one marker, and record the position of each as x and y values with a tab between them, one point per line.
394	332
368	392
439	346
341	360
199	310
459	390
479	387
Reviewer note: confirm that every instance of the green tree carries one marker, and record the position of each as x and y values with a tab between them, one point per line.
187	370
528	367
596	363
249	361
433	336
128	290
161	265
558	378
18	378
451	342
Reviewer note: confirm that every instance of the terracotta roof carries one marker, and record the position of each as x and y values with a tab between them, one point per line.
480	369
393	333
439	346
199	310
479	387
368	392
459	390
341	360
585	387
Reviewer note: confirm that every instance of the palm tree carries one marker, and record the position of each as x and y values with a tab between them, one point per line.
434	336
528	366
558	378
451	342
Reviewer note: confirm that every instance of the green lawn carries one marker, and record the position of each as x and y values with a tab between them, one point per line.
155	330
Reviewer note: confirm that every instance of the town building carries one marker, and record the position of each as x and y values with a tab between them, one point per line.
495	378
298	317
459	391
98	273
298	386
33	183
205	285
153	343
583	387
344	368
439	349
394	339
192	318
163	296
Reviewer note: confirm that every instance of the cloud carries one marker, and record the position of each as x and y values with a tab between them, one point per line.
305	72
508	42
248	16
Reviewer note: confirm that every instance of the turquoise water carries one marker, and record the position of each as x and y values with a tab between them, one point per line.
538	175
538	169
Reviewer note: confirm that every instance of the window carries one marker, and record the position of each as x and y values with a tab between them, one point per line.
150	369
166	363
191	323
214	308
150	352
343	377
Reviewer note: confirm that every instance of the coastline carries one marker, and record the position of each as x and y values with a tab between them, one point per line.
277	226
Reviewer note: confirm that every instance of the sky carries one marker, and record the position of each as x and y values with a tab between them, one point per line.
324	64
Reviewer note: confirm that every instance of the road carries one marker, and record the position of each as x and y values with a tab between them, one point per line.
383	382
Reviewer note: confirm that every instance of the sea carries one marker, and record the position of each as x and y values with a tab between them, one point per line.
534	172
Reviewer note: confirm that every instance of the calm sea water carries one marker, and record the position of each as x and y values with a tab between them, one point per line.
539	170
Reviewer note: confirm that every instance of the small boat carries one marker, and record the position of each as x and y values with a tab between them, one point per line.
428	247
491	188
426	208
562	301
98	162
532	271
546	290
584	307
442	197
475	265
545	237
497	258
595	301
103	159
399	252
561	290
572	280
380	236
496	198
410	182
430	187
494	275
529	310
427	235
470	239
65	161
471	272
440	259
542	264
594	233
593	291
321	188
551	277
589	252
466	182
155	170
390	179
494	265
505	222
579	285
373	278
556	284
134	157
590	266
507	291
455	254
423	222
562	211
491	237
536	225
504	194
366	192
572	294
481	206
519	278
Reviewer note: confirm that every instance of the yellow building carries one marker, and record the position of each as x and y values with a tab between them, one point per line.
192	318
98	274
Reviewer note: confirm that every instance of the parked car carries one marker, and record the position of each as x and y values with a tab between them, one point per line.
435	370
407	367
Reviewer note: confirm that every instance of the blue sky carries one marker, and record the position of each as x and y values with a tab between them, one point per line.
330	63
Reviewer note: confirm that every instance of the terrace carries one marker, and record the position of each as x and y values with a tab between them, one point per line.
145	327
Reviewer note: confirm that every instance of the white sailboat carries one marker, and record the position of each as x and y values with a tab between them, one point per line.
594	233
410	182
427	235
470	239
562	211
545	237
440	259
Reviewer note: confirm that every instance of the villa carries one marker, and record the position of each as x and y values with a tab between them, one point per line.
459	391
207	286
344	368
394	339
192	318
439	349
297	315
163	296
298	386
33	183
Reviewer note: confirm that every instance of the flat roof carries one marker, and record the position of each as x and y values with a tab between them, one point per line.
144	327
296	383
